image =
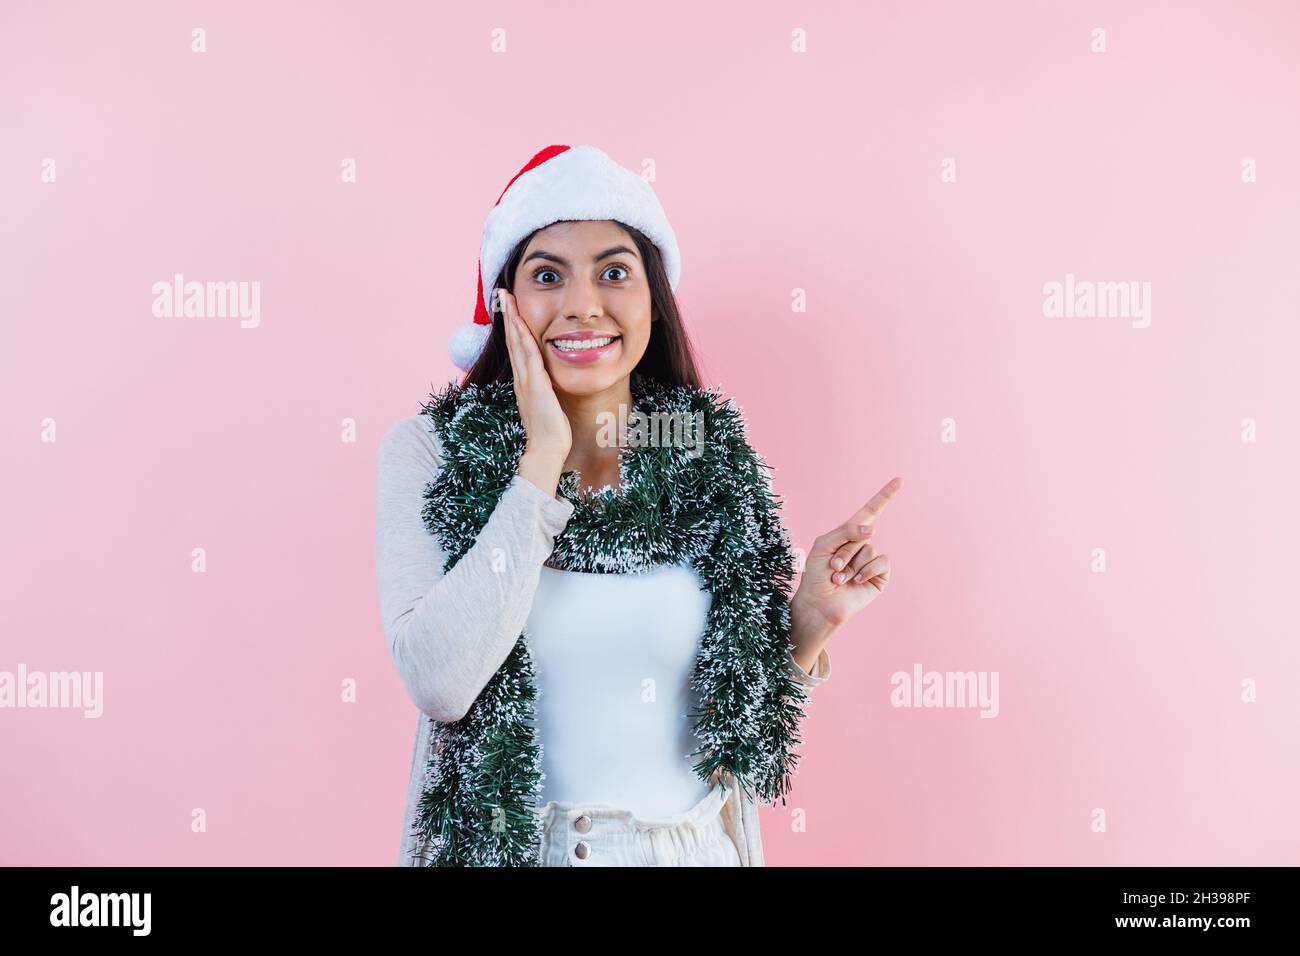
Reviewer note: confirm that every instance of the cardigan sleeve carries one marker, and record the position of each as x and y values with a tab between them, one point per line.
821	669
449	633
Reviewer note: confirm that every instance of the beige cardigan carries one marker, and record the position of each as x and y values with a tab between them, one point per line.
449	633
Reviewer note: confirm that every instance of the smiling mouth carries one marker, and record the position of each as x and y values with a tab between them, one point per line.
583	345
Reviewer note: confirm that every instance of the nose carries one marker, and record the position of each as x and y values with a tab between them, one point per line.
582	300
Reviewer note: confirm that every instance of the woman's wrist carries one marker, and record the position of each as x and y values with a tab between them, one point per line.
809	633
542	469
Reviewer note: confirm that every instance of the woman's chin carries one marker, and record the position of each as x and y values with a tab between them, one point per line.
584	381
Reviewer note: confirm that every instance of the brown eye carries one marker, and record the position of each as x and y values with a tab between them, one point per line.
541	272
619	269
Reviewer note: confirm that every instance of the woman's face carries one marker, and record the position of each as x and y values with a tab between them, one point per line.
576	280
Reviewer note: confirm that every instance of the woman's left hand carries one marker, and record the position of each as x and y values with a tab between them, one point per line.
844	571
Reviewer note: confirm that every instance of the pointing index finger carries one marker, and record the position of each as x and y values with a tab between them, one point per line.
873	508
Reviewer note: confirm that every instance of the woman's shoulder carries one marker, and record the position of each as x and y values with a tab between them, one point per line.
411	440
417	435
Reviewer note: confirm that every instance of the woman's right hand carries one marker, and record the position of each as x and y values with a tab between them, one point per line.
549	436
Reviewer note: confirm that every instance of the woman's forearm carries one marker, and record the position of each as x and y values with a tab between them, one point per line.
809	633
448	633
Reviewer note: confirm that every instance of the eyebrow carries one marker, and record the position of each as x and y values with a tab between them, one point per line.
543	254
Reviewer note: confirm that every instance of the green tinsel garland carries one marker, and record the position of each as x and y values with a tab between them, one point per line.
712	507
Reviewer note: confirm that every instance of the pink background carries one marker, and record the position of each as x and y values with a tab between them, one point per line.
819	171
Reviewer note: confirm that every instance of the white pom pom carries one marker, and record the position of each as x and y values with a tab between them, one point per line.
467	344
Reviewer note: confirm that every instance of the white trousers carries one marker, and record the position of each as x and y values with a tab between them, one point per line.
600	834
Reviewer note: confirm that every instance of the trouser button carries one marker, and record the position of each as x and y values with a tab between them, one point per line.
582	824
582	851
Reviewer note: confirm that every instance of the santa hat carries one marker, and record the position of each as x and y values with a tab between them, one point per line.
560	182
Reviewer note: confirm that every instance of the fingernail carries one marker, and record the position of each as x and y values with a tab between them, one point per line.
864	528
837	563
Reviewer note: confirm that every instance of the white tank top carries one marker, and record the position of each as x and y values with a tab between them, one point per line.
614	654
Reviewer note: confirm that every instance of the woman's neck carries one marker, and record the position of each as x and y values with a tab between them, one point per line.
597	423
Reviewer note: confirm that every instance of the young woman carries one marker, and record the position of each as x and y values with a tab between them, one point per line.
583	575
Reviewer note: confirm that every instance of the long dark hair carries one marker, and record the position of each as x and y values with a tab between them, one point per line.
668	357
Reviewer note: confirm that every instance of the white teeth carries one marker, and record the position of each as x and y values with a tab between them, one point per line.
580	345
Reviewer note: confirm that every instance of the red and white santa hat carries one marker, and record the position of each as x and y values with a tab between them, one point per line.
560	182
